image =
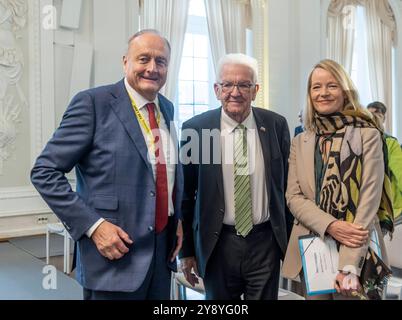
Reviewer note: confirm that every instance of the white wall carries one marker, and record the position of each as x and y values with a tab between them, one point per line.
282	92
57	62
295	45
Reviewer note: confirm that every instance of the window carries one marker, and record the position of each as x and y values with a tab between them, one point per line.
196	76
360	68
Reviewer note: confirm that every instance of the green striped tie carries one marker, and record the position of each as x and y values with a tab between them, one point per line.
242	189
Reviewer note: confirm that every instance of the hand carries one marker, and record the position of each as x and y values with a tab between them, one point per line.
189	268
348	284
348	234
179	235
109	239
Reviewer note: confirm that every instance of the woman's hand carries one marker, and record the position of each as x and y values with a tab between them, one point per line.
348	234
348	284
179	236
189	268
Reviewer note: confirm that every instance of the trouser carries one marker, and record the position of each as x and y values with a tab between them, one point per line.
245	267
156	285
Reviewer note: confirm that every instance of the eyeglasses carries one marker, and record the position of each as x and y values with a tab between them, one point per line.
242	87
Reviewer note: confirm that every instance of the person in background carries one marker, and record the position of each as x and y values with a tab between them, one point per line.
335	187
394	161
235	219
300	128
125	214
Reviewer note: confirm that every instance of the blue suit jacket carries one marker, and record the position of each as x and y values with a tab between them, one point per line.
100	136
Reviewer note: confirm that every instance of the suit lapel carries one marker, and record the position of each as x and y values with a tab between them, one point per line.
263	134
172	131
215	123
168	116
165	112
122	107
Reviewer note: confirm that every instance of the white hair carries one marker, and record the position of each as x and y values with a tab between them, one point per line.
241	59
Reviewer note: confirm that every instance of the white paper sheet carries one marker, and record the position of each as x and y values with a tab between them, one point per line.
320	263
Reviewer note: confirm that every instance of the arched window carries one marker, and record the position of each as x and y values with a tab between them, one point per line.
360	65
361	37
196	76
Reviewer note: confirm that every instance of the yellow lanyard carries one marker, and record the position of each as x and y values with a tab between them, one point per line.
142	121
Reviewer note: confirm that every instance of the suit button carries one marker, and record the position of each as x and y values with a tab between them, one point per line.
150	228
152	193
216	234
222	210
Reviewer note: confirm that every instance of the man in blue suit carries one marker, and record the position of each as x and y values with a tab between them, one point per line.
125	213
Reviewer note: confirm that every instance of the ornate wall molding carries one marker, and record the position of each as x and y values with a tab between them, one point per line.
21	201
13	18
41	69
21	206
35	77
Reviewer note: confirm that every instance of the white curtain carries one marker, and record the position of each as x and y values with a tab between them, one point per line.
380	37
169	17
341	31
227	23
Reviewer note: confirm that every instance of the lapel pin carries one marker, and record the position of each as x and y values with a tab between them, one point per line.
262	129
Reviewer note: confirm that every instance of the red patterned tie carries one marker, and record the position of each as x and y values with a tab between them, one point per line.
161	210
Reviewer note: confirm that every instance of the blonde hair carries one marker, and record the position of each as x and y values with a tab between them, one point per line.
352	96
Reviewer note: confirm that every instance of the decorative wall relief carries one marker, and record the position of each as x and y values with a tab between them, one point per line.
13	15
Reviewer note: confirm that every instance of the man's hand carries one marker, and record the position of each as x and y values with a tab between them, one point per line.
179	235
189	268
348	234
109	239
347	284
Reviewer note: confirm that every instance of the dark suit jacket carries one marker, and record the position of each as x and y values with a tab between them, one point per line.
203	206
100	135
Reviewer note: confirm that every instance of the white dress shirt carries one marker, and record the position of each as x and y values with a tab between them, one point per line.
168	145
256	167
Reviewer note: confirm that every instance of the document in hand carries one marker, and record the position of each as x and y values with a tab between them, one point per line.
375	243
320	263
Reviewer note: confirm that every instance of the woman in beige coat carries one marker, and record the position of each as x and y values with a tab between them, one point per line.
335	181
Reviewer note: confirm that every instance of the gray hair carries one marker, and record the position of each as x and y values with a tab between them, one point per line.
241	59
152	31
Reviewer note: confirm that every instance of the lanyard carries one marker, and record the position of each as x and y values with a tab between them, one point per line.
142	121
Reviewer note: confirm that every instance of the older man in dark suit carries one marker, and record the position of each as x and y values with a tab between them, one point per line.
235	219
125	214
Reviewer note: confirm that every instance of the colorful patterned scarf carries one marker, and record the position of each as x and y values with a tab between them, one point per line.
339	194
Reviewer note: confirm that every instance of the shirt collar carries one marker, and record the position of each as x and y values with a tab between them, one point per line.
139	100
229	124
